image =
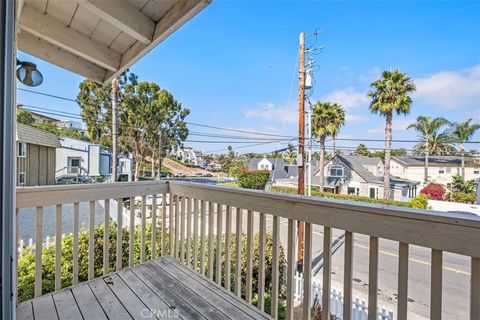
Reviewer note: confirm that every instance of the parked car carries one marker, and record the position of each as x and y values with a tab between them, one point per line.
207	175
180	175
197	174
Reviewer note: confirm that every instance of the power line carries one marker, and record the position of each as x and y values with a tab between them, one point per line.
48	95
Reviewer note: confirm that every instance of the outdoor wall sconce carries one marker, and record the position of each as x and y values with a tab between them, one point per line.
28	74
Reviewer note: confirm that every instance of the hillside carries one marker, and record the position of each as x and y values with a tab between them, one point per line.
176	167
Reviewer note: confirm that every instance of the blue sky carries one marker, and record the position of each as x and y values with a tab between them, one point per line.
234	65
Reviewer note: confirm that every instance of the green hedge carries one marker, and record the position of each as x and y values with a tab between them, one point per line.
26	264
316	193
464	197
256	179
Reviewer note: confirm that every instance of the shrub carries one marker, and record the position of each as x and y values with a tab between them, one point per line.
26	263
463	197
434	191
256	179
317	193
420	202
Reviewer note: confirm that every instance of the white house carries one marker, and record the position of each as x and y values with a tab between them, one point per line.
74	125
85	158
188	155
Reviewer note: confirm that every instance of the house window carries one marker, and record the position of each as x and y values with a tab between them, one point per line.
22	150
476	170
448	170
264	167
336	171
354	191
22	178
373	193
441	170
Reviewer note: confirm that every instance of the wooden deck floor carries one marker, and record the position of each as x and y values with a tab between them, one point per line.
154	290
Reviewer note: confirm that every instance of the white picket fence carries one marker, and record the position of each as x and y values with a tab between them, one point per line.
30	247
359	307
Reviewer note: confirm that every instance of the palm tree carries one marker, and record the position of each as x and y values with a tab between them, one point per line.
463	132
433	142
326	121
390	93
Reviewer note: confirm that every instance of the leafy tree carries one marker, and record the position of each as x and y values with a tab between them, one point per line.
362	150
390	94
60	132
25	117
459	184
326	121
463	132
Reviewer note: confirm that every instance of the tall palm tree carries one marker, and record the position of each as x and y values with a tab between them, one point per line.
390	94
463	132
433	142
326	121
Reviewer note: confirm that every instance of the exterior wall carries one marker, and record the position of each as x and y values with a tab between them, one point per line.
64	153
38	165
264	163
94	160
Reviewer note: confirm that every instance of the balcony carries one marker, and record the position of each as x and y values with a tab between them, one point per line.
195	269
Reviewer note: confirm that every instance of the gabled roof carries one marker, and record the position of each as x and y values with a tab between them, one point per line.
99	39
28	134
433	160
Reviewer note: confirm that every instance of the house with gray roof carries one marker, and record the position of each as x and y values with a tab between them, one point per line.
363	176
277	167
35	155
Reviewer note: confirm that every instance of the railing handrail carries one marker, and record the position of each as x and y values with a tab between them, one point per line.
28	197
451	232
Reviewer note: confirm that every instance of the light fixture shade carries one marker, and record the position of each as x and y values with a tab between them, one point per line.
28	74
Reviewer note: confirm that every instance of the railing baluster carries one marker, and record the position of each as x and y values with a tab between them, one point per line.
171	222
58	247
275	267
106	236
327	270
188	206
195	235
402	305
119	232
307	271
142	229
76	225
202	236
228	252
38	250
132	232
475	289
154	227
261	262
181	201
436	285
373	278
219	243
238	249
291	269
164	224
211	217
348	276
248	285
177	227
91	241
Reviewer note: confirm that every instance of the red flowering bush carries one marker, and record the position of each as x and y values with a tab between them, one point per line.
434	191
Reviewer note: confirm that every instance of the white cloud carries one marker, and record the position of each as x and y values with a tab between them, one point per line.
397	125
450	89
270	111
348	98
354	118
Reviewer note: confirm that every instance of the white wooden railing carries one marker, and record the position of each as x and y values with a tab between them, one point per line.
185	216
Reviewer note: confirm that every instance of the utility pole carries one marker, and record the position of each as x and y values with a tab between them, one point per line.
114	130
301	145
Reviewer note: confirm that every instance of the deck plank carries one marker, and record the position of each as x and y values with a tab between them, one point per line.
249	309
25	311
184	310
127	297
185	293
44	308
110	304
67	308
223	305
87	302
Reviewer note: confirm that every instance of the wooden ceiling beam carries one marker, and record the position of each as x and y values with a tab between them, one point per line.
55	32
44	50
124	16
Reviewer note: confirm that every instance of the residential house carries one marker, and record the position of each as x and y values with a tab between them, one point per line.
35	156
79	157
363	176
41	118
188	155
279	170
441	168
73	125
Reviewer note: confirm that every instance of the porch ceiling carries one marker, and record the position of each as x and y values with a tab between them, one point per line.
98	39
